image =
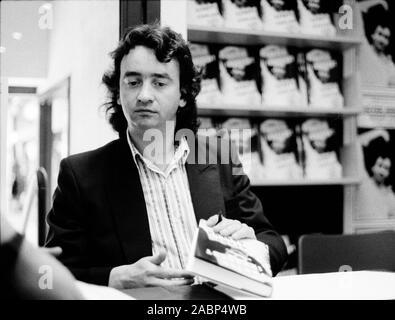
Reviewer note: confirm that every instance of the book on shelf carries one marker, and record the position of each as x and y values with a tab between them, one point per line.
239	73
205	13
280	78
244	137
308	17
280	149
246	14
238	264
271	76
316	17
205	59
324	75
320	148
280	16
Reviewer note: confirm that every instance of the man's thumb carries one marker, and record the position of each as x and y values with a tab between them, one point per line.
158	257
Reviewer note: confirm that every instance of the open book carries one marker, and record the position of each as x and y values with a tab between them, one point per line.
237	264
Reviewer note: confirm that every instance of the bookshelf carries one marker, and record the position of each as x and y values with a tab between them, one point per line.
368	226
258	37
347	43
268	111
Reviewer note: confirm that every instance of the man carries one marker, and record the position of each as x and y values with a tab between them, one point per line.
125	217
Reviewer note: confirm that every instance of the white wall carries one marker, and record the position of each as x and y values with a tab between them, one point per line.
27	56
83	34
173	14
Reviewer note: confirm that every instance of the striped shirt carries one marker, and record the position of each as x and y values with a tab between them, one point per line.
169	206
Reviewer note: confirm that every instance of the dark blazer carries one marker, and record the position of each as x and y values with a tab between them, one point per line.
99	216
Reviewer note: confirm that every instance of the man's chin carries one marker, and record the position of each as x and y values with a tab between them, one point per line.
146	124
146	119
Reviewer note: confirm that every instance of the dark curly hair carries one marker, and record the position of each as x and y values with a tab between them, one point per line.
374	17
167	45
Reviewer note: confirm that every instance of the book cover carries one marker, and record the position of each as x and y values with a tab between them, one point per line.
375	197
244	137
205	59
280	150
280	78
207	13
375	24
316	17
280	16
243	14
320	147
239	72
324	74
237	264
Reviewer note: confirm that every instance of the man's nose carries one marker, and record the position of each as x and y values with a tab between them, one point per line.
145	95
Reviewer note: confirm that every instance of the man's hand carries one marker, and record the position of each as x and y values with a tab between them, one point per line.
147	272
231	228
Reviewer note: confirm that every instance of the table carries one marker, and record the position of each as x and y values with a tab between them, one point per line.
195	292
352	285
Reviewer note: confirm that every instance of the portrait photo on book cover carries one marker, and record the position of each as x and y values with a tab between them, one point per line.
376	193
377	54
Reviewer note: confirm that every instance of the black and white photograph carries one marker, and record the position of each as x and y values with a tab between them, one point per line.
376	197
378	48
190	156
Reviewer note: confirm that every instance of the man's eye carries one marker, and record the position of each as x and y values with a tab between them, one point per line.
132	83
159	84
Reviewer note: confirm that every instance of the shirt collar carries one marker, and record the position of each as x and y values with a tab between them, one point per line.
180	155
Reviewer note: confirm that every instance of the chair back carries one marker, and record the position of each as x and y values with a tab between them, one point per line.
42	191
319	253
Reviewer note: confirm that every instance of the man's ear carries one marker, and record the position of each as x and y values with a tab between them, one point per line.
183	102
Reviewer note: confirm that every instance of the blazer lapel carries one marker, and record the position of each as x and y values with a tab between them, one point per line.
205	186
128	205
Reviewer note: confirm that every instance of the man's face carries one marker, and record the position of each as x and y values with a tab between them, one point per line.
149	90
381	38
381	169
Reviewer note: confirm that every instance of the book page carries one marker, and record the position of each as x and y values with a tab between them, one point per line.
243	257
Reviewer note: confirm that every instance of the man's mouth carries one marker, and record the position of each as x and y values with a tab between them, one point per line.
145	111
